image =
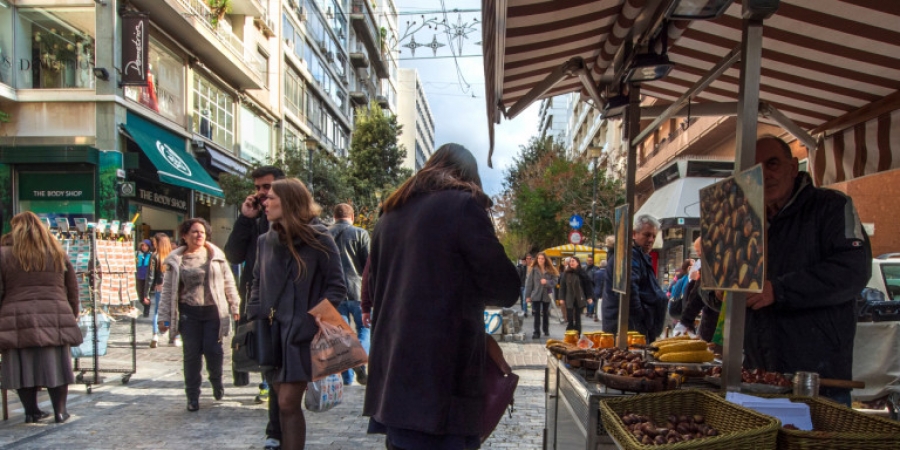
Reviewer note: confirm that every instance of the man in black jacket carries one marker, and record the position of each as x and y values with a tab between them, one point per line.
522	270
241	249
353	245
818	259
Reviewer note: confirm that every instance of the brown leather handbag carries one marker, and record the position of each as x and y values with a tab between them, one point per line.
499	388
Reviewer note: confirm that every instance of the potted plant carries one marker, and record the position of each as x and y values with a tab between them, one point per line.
218	8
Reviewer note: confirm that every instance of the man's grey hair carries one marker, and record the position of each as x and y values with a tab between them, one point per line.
645	219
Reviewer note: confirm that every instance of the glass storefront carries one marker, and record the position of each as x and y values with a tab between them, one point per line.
54	48
7	62
57	194
164	92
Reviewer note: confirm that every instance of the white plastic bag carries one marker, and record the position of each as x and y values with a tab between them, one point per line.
324	394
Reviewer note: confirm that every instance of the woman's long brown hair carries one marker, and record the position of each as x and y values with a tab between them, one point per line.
163	248
32	244
450	167
298	210
547	267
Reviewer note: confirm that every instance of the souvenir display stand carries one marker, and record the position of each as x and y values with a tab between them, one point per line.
105	269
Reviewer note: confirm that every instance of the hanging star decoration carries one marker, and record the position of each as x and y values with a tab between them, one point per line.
412	45
461	31
434	45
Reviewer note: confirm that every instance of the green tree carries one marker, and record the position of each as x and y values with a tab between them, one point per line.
376	158
543	188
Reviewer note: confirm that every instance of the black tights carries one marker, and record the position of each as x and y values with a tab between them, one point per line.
58	395
293	423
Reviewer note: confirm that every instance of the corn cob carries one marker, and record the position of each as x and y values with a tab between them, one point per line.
659	342
683	346
697	356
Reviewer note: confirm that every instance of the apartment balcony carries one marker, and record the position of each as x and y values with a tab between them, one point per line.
359	98
382	101
367	31
359	60
696	139
252	8
217	47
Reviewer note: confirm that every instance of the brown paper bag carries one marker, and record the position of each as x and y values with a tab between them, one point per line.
335	348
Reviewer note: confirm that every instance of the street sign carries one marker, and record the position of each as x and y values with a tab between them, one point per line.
575	237
576	222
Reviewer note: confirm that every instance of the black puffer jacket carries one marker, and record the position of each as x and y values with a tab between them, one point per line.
818	259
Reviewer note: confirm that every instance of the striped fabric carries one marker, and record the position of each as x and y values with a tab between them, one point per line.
823	60
864	149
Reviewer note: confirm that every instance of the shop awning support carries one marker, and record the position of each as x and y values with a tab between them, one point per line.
701	84
632	126
767	110
745	157
574	66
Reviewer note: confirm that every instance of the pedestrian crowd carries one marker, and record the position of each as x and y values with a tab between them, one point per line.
415	291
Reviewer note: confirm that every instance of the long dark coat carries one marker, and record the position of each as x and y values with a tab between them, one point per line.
275	285
435	264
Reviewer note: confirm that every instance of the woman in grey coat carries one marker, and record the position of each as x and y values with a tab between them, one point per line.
539	284
297	267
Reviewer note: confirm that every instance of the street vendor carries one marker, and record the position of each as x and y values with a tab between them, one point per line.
817	260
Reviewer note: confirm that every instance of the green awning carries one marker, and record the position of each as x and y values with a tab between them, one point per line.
166	151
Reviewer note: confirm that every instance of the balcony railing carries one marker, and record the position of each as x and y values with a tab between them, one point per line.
201	9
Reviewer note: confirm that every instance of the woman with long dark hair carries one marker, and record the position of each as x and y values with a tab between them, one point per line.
38	316
161	249
199	299
539	283
576	289
297	267
435	264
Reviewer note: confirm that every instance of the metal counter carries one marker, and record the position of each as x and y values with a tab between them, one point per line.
573	413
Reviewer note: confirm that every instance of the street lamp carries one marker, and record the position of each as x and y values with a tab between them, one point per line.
595	153
311	145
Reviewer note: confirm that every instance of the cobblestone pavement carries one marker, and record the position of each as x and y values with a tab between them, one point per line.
149	411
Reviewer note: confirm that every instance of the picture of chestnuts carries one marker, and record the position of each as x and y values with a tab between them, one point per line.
732	227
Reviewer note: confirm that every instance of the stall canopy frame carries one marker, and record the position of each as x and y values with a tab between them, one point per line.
816	68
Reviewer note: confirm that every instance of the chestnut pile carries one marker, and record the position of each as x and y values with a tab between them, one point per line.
624	363
677	429
757	376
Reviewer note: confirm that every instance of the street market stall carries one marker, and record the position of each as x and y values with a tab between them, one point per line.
826	71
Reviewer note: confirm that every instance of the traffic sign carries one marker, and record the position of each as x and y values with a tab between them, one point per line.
576	222
575	237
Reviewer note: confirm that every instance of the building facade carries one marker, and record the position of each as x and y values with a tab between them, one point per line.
223	89
414	114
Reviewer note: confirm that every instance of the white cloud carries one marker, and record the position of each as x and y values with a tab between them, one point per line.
459	117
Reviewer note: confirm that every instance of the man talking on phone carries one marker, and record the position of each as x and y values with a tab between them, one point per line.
241	249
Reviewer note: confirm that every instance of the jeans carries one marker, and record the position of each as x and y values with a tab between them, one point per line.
199	326
522	299
590	308
541	312
353	308
156	312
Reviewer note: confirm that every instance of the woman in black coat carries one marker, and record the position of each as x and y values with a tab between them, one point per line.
297	267
576	288
434	266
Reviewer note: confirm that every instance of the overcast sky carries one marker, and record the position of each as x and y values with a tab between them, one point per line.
458	116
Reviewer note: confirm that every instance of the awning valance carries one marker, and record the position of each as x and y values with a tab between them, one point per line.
167	153
865	149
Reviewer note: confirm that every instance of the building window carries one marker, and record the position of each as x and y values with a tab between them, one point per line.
55	48
262	65
213	115
294	92
164	92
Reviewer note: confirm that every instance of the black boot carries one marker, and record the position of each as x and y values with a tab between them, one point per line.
58	397
28	398
218	389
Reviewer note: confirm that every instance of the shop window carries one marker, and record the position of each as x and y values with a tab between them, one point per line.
213	115
55	48
7	62
164	92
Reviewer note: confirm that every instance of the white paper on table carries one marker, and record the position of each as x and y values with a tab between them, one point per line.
788	412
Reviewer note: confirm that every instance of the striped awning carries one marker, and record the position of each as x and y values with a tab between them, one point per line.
826	64
864	149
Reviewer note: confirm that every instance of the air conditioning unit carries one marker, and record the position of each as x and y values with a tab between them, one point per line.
329	56
322	47
301	14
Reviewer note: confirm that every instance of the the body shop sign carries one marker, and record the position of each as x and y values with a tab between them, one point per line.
256	137
135	49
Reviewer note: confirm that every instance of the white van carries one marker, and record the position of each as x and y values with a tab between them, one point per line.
886	275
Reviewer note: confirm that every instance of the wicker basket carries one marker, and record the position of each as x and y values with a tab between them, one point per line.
841	428
739	428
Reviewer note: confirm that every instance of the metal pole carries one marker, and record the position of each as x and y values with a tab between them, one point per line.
745	156
310	172
594	214
632	127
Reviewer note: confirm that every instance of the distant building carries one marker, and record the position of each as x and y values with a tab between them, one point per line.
414	115
554	117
